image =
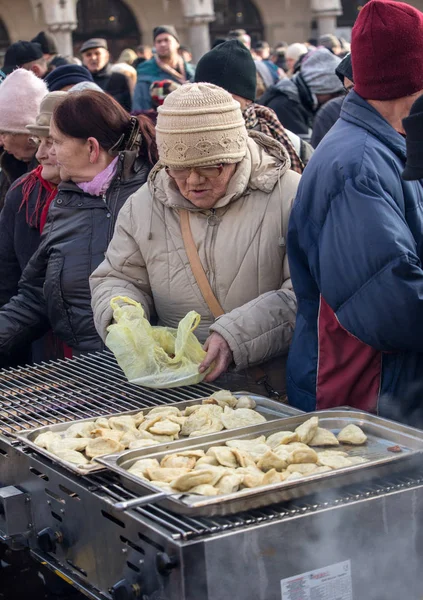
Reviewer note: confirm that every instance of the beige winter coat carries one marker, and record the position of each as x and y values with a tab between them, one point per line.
243	254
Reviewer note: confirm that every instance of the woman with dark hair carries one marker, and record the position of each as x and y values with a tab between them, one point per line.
104	155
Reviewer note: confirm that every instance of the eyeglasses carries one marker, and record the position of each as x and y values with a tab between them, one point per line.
207	172
37	141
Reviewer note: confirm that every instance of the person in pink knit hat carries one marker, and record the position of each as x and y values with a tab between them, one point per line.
20	98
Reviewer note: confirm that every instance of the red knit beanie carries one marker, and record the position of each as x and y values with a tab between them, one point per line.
387	50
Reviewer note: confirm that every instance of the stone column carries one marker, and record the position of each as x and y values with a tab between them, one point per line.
198	14
325	13
63	35
60	17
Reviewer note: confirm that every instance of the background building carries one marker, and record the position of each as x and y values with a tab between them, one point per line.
130	22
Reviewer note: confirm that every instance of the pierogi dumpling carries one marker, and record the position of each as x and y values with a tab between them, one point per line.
272	476
184	483
176	461
165	427
334	462
222	398
281	438
323	437
79	430
229	483
270	461
204	490
163	411
307	430
241	417
246	402
44	439
143	464
122	423
251	476
101	446
303	468
224	456
60	444
352	434
109	434
72	456
256	447
143	443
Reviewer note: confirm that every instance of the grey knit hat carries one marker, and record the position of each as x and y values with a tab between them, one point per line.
200	124
318	71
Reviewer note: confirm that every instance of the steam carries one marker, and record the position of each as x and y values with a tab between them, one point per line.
381	536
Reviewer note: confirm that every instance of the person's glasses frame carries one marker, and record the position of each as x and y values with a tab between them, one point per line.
210	172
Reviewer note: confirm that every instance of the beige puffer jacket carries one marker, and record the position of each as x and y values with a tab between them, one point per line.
241	244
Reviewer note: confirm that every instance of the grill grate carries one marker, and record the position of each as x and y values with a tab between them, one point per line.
186	528
78	388
94	385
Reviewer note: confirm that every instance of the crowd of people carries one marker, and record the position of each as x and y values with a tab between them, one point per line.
268	190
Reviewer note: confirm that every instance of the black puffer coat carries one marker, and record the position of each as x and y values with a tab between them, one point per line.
18	242
18	238
293	104
115	84
54	290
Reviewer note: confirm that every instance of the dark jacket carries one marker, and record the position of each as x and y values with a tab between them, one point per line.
10	170
355	247
54	289
18	242
325	118
293	103
18	238
115	84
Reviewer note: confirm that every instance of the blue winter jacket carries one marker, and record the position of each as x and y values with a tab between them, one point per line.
355	247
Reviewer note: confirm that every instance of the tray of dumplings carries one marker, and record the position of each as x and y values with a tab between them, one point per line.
268	463
75	444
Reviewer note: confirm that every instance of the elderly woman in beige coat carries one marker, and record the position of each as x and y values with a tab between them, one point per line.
208	233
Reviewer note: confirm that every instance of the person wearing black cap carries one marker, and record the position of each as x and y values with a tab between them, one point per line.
96	58
26	55
329	113
48	44
166	64
65	77
231	66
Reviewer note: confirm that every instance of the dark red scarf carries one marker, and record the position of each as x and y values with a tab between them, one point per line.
46	193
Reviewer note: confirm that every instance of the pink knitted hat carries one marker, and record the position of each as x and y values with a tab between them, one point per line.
20	98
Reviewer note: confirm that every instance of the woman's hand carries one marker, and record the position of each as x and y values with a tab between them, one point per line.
218	352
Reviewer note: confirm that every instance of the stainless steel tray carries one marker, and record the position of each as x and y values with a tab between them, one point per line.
381	434
268	408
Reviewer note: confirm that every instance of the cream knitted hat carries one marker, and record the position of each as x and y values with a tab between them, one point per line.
200	124
20	98
41	127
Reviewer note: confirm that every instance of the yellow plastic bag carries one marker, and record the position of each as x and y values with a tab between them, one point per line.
155	357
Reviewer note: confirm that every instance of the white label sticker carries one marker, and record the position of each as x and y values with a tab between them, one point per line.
329	583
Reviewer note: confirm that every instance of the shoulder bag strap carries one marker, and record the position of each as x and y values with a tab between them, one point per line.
196	266
208	295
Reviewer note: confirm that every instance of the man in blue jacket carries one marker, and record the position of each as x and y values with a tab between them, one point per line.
166	64
355	241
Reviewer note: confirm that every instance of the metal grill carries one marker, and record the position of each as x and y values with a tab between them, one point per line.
187	528
93	385
78	388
